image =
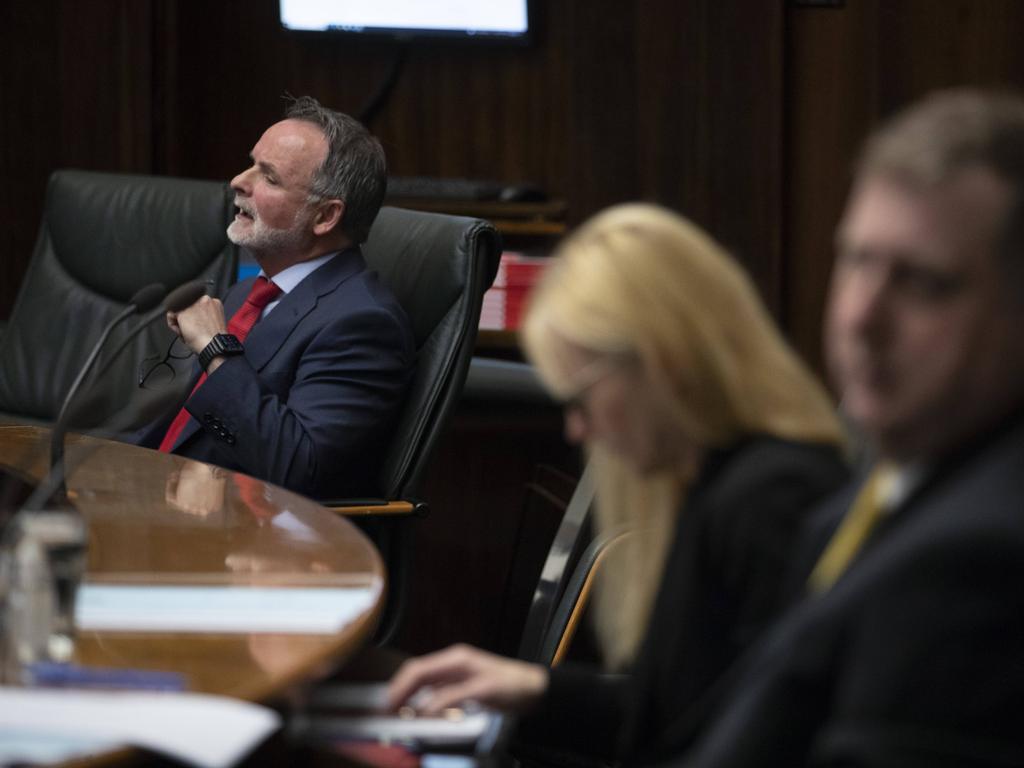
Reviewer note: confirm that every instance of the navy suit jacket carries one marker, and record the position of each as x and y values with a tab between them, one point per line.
311	404
915	657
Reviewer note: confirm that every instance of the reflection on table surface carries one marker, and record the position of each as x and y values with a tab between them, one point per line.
159	519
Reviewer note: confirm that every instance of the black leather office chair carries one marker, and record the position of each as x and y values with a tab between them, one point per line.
560	599
104	236
438	267
568	574
560	588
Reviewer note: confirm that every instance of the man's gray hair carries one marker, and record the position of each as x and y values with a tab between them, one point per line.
355	169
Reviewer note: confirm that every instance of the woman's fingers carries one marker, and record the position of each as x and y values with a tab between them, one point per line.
460	674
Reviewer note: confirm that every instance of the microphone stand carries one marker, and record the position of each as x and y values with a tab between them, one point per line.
143	299
181	297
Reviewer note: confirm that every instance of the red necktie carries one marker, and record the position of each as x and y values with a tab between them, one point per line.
263	292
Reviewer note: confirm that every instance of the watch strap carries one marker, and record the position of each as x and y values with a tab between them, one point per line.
220	344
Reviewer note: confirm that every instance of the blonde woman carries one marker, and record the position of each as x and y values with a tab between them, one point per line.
710	440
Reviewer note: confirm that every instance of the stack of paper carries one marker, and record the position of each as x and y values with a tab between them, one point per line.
44	726
312	610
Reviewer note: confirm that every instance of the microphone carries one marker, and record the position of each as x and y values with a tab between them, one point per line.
180	298
184	296
148	296
143	300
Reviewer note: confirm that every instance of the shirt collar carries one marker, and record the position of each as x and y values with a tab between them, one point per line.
906	479
288	278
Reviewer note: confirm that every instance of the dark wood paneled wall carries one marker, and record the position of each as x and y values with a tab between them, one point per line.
664	100
743	115
75	90
846	70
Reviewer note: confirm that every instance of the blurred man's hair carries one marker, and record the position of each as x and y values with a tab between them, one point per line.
933	140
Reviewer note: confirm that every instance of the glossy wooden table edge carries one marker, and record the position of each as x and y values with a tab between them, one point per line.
323	663
317	654
328	650
319	667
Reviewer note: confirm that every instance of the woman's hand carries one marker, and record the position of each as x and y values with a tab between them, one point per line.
461	673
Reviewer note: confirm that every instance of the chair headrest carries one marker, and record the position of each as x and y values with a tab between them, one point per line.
423	258
166	227
438	267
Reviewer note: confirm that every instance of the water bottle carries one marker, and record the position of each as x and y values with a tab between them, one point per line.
30	607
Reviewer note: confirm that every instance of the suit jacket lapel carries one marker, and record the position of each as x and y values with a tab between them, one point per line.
236	295
232	301
271	332
267	336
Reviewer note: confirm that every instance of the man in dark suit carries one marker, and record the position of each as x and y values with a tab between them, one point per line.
302	385
909	648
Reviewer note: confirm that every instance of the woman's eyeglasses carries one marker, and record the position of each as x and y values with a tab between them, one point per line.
588	377
156	372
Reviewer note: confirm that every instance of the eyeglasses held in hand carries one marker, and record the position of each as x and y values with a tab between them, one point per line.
156	372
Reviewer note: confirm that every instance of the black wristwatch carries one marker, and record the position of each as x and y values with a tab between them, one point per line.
221	344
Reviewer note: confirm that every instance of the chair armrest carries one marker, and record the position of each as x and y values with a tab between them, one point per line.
576	598
377	507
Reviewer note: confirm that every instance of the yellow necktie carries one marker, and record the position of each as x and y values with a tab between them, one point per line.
854	529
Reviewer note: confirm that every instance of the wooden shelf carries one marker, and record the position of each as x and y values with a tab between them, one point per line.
545	228
546	219
533	228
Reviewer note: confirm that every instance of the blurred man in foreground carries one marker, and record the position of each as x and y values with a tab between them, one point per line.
909	648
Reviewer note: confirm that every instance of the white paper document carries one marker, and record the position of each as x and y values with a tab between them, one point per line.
38	725
300	610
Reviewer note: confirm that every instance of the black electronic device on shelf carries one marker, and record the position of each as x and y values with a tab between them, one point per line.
433	188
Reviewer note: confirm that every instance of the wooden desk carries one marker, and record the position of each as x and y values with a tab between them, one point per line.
160	519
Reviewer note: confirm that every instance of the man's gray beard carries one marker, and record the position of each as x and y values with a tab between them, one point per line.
260	238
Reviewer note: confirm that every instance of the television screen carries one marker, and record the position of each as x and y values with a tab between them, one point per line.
491	20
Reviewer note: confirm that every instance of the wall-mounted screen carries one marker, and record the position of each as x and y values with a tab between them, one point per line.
484	20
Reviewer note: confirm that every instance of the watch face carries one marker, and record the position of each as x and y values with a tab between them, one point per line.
229	343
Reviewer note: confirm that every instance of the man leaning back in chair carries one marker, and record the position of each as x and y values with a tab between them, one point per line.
302	369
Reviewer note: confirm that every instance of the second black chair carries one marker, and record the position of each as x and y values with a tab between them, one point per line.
438	267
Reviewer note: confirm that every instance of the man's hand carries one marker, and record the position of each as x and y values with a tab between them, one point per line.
198	324
461	673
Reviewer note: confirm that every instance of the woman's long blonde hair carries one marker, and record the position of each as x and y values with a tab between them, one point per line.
641	281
